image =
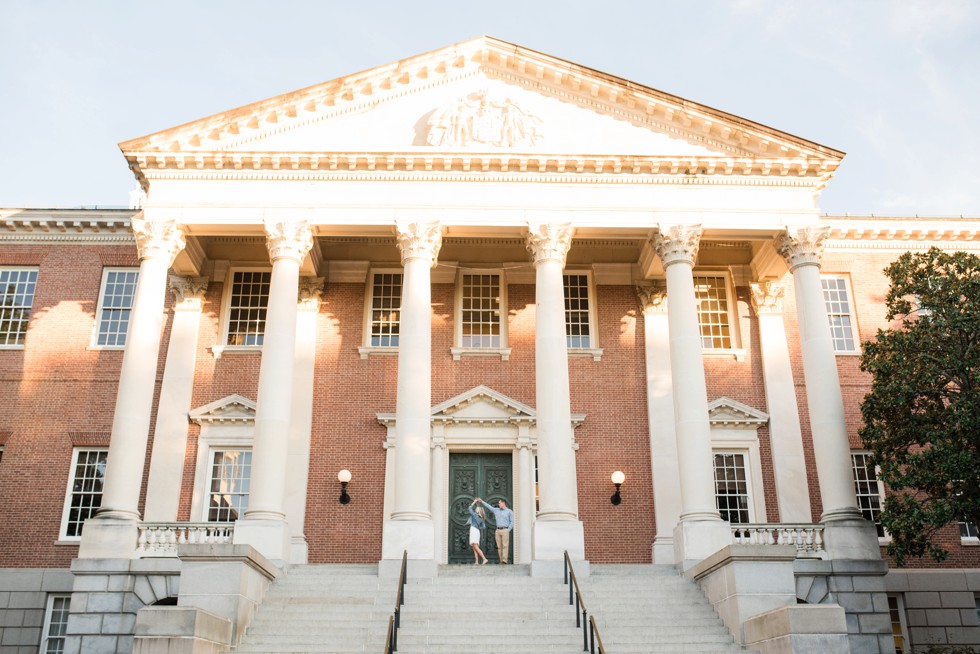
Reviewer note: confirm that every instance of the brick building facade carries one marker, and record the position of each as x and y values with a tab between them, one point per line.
462	230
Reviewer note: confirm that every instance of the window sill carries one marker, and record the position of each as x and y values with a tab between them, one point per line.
594	352
64	542
970	542
460	352
221	350
850	353
372	350
106	348
11	347
733	353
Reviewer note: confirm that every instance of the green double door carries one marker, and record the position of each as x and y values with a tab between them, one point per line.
489	477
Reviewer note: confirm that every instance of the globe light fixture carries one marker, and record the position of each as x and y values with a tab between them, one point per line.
344	478
617	478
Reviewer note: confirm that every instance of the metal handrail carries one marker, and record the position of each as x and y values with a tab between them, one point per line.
581	613
391	640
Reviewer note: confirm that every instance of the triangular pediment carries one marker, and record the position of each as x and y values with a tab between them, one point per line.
228	410
482	403
728	412
480	96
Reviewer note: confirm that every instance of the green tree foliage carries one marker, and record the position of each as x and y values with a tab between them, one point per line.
922	416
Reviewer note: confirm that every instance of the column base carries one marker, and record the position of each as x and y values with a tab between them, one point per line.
270	538
851	538
416	536
550	541
695	540
108	538
663	550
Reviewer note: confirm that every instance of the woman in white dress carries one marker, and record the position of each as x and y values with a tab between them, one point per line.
477	522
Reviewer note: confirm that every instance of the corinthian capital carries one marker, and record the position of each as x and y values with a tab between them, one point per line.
801	247
157	238
549	241
653	297
188	292
419	240
310	290
288	239
767	299
678	244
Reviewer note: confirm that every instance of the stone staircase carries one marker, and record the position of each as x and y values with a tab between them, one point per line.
487	609
653	609
323	608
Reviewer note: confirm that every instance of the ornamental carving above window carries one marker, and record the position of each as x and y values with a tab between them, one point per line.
484	119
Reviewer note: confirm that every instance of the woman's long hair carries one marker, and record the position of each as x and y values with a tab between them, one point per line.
480	512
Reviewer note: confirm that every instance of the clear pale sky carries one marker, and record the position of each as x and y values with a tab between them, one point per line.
895	84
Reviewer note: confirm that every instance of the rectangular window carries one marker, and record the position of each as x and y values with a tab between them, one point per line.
968	530
84	490
55	624
714	312
115	305
231	472
897	614
247	307
16	298
480	305
732	487
386	307
578	312
838	303
868	489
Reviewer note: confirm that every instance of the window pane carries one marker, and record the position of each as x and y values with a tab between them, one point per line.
731	488
117	301
86	493
386	301
577	324
480	311
711	295
838	313
231	472
867	490
16	299
247	309
896	619
54	639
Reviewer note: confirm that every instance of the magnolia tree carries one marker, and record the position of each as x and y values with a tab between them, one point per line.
922	416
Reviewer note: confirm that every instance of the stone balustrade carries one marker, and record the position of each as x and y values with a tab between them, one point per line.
808	539
162	538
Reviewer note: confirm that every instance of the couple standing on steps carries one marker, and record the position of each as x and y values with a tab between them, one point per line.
477	521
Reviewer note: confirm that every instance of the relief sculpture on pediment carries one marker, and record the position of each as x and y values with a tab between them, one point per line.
479	118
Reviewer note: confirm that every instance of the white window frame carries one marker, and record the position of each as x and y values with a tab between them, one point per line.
725	439
63	530
851	314
222	347
94	344
503	350
902	620
881	492
35	269
593	350
367	348
48	615
215	438
735	348
969	541
751	483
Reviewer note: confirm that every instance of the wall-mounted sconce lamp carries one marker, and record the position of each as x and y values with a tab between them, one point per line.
344	478
617	478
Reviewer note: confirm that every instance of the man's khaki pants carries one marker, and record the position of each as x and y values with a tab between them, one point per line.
502	536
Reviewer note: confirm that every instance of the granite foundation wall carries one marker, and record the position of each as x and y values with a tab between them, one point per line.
941	606
23	599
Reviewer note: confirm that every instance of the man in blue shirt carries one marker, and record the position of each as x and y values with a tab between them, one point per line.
504	518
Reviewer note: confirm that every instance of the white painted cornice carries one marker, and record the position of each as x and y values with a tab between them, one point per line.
233	409
727	412
66	225
901	233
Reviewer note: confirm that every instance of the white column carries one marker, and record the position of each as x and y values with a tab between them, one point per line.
660	419
831	448
170	433
264	525
524	504
410	527
115	525
789	465
439	498
701	530
557	527
301	420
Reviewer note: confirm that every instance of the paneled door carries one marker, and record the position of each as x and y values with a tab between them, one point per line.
487	476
